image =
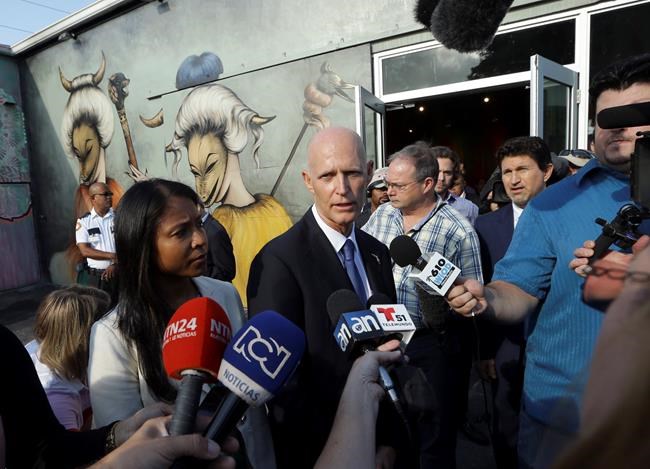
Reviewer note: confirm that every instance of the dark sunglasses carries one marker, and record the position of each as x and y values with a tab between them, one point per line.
106	194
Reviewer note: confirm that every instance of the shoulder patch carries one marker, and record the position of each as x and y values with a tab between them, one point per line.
78	227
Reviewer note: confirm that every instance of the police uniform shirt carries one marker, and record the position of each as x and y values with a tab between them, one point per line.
97	231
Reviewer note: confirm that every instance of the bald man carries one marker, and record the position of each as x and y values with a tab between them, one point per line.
96	242
295	273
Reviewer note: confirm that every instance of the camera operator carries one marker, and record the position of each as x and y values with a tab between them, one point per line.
533	278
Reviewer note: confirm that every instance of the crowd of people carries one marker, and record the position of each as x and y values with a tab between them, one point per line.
517	312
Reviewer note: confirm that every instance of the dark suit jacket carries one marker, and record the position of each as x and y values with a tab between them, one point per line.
294	274
221	260
495	231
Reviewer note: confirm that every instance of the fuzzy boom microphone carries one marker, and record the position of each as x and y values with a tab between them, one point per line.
463	25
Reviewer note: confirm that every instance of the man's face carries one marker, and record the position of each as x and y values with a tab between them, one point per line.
337	177
614	146
445	176
208	160
378	196
86	147
404	190
101	198
522	178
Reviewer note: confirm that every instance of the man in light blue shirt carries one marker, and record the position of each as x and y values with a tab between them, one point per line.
534	277
448	172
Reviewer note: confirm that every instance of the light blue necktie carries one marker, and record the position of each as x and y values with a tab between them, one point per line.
353	272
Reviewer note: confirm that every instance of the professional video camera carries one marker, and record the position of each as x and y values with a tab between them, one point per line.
623	229
607	274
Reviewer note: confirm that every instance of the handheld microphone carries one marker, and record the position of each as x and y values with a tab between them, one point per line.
435	276
393	318
358	331
261	358
193	345
619	117
463	25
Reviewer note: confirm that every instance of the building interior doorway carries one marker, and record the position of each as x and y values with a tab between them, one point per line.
473	123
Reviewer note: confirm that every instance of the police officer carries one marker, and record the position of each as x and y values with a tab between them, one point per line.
95	239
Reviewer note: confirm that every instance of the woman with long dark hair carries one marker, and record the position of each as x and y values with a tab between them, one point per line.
161	251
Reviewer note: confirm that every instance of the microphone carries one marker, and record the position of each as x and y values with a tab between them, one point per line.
435	276
619	117
193	345
358	331
463	25
259	360
393	318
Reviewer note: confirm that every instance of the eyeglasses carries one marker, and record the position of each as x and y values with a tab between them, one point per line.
106	194
582	154
399	187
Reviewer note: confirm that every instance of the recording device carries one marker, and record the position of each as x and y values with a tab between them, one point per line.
463	25
261	358
623	229
393	318
435	276
258	361
358	331
193	344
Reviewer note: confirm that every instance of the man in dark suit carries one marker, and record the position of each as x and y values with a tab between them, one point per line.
220	263
525	164
295	274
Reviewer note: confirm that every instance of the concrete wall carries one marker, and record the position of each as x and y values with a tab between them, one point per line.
19	264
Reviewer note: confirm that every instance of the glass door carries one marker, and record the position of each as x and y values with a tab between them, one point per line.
553	103
370	112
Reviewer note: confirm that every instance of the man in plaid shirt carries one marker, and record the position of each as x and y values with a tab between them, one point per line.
441	346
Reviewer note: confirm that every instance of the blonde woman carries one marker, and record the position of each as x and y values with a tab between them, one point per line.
60	350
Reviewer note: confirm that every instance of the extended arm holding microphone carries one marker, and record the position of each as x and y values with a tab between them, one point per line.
351	443
502	301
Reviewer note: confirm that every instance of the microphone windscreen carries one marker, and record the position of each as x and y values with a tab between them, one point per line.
424	10
196	337
342	301
262	357
619	117
379	299
404	251
468	25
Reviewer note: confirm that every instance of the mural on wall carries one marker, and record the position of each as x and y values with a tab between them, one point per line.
214	126
20	262
318	95
118	91
87	130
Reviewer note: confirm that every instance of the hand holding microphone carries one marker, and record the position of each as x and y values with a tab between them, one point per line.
435	276
256	364
359	331
467	297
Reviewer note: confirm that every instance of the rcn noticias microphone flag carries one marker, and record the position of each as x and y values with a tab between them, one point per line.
262	357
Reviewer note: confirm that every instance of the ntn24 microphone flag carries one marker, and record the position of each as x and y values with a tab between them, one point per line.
195	338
